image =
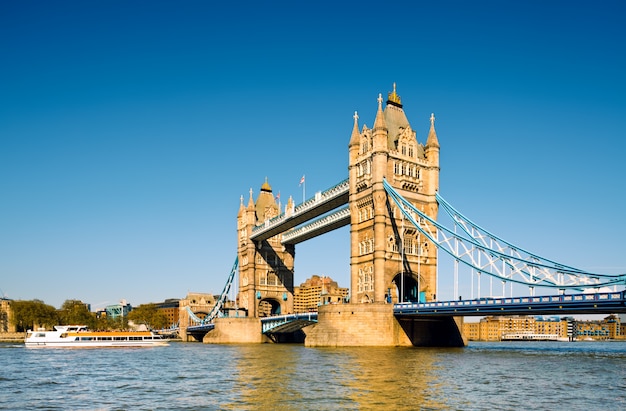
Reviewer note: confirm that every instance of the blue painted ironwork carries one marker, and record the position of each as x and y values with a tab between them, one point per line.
593	303
489	254
200	329
320	204
287	323
329	222
219	304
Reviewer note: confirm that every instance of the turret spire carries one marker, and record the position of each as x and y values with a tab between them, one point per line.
379	123
354	139
251	201
393	97
432	140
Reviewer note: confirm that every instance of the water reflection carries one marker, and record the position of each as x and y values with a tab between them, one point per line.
293	377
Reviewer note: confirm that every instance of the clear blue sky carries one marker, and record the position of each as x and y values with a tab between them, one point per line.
129	130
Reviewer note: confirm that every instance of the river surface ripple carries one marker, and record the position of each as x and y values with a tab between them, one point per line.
194	376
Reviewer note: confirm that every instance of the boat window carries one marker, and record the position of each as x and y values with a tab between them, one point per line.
40	335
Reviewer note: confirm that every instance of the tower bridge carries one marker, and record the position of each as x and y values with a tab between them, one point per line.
391	202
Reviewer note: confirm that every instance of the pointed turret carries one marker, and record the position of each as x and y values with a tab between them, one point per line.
241	207
251	201
356	136
379	123
432	157
432	140
266	207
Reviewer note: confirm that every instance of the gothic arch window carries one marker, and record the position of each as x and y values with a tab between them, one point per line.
365	145
361	280
272	278
408	245
366	246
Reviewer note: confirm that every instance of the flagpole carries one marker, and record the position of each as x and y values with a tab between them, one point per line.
303	184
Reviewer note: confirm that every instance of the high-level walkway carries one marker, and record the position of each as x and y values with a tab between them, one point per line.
322	203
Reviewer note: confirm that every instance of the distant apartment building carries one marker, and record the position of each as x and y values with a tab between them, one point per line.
316	291
170	307
497	328
607	329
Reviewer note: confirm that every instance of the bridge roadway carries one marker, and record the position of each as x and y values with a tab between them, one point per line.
598	303
287	323
320	204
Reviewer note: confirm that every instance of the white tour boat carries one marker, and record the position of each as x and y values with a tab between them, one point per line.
66	336
526	336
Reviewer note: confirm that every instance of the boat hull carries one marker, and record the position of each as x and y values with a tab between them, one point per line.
80	337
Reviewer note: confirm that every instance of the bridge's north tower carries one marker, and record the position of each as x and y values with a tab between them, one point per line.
389	260
265	267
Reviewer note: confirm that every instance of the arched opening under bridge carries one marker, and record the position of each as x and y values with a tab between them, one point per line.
404	288
269	307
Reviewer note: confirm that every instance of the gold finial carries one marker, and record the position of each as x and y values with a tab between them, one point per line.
393	96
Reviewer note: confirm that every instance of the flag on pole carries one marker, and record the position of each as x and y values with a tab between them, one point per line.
278	196
301	180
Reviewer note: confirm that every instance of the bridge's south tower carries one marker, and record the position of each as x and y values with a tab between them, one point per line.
265	268
389	259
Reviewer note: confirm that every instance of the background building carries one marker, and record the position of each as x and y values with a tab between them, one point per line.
317	291
118	310
170	308
511	327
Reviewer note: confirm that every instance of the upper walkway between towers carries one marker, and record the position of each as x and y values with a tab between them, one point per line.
322	203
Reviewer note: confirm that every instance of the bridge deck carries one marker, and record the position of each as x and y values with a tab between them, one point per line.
287	323
599	303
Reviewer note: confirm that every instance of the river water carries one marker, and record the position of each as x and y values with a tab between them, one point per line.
194	376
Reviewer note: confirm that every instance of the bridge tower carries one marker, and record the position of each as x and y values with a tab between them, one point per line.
389	261
265	269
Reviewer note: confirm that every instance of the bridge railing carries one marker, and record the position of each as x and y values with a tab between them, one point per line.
609	300
268	323
340	214
331	193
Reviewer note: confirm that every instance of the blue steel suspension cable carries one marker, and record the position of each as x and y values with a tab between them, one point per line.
582	278
220	302
453	213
